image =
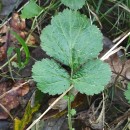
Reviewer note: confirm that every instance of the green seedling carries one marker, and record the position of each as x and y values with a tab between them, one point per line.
74	42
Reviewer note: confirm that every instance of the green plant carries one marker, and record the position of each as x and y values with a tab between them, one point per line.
73	41
26	50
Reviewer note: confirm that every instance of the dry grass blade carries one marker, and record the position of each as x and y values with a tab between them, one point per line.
113	52
124	7
118	43
120	37
6	111
95	15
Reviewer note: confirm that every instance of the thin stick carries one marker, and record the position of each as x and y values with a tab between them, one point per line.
113	52
50	107
95	15
104	57
119	37
6	111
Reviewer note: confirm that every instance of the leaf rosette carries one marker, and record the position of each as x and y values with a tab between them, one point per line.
73	41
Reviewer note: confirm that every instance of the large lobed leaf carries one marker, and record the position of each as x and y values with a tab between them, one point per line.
50	77
92	77
74	4
71	39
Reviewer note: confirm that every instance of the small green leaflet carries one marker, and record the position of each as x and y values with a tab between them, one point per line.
73	112
50	77
127	93
73	4
9	51
30	10
71	39
92	77
18	56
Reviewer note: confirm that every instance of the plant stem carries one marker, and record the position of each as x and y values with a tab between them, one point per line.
69	104
50	107
69	111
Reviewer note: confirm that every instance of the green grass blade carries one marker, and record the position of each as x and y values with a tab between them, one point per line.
18	57
24	45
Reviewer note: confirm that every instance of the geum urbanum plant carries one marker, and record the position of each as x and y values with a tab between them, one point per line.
71	40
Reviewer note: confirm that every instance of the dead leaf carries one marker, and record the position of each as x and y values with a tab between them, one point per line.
91	117
61	105
3	39
11	100
2	53
17	23
23	90
31	41
4	29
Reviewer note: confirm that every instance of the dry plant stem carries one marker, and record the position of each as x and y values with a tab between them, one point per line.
127	125
6	111
95	16
14	89
113	52
118	125
106	55
89	14
123	117
50	107
119	37
102	113
124	7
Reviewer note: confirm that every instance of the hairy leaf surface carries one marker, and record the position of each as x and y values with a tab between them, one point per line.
92	77
71	39
74	4
50	77
30	10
